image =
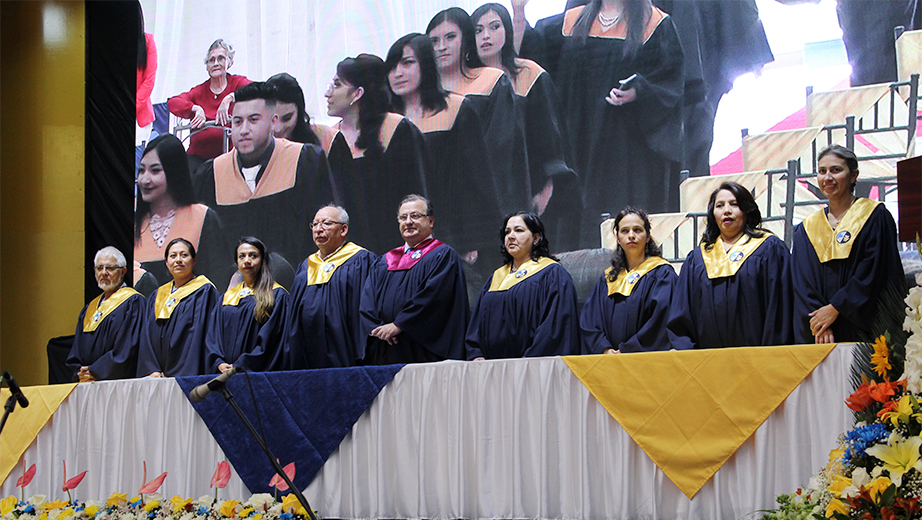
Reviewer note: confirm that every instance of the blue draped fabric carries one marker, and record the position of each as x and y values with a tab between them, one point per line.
305	415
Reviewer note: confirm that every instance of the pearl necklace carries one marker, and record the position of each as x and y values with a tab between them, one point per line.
608	22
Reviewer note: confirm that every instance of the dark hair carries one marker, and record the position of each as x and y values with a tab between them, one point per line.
507	53
142	41
367	71
459	17
189	246
541	248
746	203
262	289
636	14
851	160
255	90
413	196
285	88
431	94
176	170
619	258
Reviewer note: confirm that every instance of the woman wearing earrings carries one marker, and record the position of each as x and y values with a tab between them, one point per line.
629	307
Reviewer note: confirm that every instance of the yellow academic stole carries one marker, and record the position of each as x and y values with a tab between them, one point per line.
238	292
166	300
320	271
91	321
721	264
504	279
626	280
836	244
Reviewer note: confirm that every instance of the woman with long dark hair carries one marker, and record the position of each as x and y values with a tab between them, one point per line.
629	307
165	209
529	307
846	265
376	157
177	317
455	176
734	289
245	310
294	122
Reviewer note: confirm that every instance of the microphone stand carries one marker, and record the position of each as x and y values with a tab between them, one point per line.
229	397
8	408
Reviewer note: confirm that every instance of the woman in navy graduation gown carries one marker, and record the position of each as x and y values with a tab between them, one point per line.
178	316
846	265
734	289
376	157
628	309
529	307
247	308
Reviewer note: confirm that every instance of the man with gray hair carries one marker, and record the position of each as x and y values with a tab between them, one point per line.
323	329
109	327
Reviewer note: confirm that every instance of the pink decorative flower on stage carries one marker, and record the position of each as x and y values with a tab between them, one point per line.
72	483
153	485
278	482
27	475
221	475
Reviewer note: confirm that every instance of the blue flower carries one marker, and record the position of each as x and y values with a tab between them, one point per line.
286	516
201	511
860	438
29	510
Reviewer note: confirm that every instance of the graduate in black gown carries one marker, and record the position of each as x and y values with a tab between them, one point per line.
109	327
529	307
845	262
177	318
323	327
551	183
247	308
376	157
457	172
414	304
735	289
629	307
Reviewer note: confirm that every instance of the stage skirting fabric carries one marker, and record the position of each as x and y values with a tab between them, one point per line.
494	439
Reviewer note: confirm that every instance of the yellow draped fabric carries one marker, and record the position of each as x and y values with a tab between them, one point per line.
690	423
23	424
908	55
831	108
773	149
321	271
504	279
836	244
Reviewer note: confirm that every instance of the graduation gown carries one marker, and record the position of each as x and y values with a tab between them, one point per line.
623	154
174	328
323	327
632	322
293	181
529	313
423	292
233	331
108	336
749	308
853	280
198	224
371	189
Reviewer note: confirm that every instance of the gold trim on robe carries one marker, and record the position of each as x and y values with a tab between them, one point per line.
527	76
444	119
836	244
166	300
187	223
281	172
326	134
627	280
483	82
504	279
320	271
618	31
92	321
721	264
238	292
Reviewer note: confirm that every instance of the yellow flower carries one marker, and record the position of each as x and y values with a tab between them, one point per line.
229	508
902	412
57	504
43	516
878	486
836	506
7	504
150	506
838	484
880	359
258	516
290	504
898	455
91	511
179	503
66	513
117	499
246	512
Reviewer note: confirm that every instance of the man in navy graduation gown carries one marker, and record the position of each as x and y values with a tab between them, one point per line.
322	328
109	327
414	304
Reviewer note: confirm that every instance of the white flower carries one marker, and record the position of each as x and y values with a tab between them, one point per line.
38	500
276	509
188	516
860	478
205	501
260	501
813	483
152	497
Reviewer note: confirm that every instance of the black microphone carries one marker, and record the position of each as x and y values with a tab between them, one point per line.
200	392
14	389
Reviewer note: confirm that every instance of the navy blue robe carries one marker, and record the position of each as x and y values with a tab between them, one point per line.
852	285
176	346
536	317
233	333
751	308
635	323
323	326
429	304
110	351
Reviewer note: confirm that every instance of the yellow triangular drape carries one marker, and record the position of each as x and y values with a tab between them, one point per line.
23	424
691	410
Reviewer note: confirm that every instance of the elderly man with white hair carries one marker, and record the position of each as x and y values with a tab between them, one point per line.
109	327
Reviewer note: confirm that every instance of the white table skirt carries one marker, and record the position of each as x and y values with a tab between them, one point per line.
494	439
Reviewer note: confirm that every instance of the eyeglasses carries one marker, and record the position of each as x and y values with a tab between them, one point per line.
107	268
325	224
214	59
410	216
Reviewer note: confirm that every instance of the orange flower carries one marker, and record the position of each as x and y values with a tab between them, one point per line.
882	392
880	359
860	399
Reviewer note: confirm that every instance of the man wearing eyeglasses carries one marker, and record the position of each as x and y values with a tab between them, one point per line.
414	304
109	327
323	327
